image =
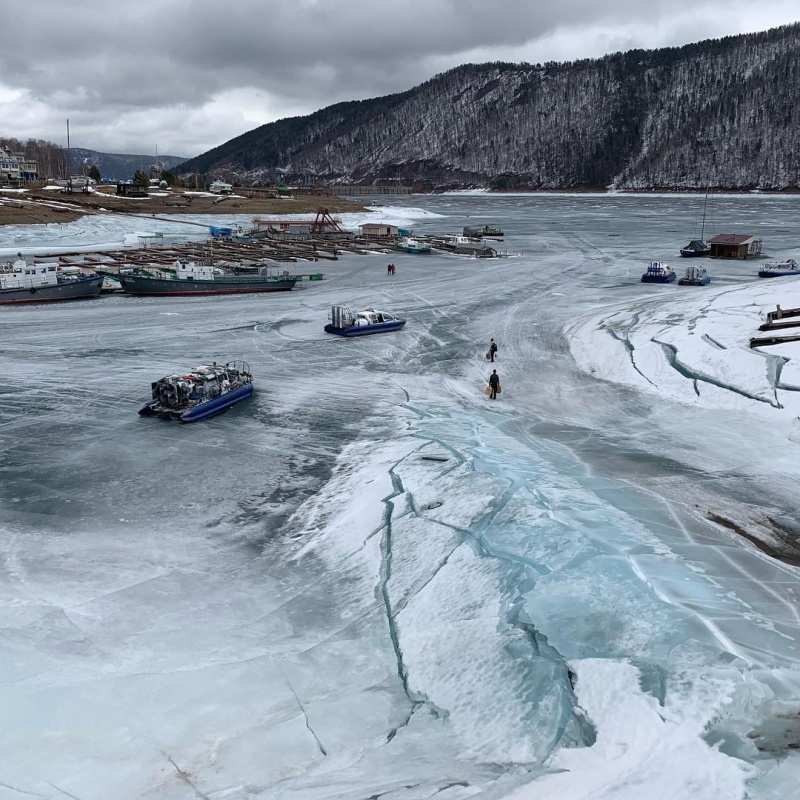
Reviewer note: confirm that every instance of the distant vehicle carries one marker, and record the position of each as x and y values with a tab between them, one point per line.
220	187
202	393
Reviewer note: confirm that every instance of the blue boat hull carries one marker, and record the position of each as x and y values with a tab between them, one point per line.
203	410
778	273
364	330
667	279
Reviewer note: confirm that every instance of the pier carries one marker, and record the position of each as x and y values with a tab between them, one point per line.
248	254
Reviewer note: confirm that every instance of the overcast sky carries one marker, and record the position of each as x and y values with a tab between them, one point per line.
179	77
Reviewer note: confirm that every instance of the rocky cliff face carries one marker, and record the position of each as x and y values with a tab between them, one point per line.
724	113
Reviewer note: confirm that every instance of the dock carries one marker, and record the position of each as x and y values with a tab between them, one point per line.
776	320
244	255
282	244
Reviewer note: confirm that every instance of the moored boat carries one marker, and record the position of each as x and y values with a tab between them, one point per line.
695	276
780	269
410	245
467	246
21	282
202	393
198	279
696	248
658	272
487	231
345	322
699	247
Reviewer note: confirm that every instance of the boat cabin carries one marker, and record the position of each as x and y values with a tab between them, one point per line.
191	271
343	317
21	275
372	317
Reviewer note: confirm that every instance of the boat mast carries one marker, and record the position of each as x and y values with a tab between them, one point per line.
68	171
703	228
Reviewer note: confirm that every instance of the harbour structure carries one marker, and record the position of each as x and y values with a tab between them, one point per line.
735	245
377	230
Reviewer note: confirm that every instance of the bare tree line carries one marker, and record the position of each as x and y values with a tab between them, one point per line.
51	159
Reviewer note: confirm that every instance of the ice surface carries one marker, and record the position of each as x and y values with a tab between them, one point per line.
370	581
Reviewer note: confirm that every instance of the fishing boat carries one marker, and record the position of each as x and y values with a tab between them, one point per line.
695	276
202	393
780	269
202	279
658	272
345	322
21	282
409	245
698	247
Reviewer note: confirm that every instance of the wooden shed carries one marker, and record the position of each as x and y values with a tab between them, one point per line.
735	245
376	229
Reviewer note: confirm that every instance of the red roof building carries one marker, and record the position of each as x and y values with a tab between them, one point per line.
735	245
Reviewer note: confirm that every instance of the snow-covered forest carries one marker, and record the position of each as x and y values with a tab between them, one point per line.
722	112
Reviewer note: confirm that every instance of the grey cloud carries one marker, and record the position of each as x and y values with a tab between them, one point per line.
97	59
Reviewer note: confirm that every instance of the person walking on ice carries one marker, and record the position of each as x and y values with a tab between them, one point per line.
492	350
494	384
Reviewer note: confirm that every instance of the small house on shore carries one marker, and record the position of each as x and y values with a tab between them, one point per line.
735	245
370	230
130	189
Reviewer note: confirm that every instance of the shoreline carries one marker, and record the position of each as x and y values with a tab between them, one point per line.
43	207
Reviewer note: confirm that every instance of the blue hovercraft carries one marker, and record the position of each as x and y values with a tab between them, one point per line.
695	276
780	270
658	272
345	322
202	393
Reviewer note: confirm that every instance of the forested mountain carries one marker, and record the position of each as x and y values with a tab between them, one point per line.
51	160
724	112
119	166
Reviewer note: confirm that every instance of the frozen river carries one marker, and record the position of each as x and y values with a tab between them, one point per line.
370	580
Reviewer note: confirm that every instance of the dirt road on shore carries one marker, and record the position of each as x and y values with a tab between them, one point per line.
44	206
